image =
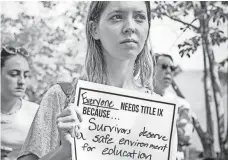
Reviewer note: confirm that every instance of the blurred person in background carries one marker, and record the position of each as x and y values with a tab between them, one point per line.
164	70
16	113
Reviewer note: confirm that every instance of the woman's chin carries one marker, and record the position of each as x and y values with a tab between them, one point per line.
18	94
167	84
130	54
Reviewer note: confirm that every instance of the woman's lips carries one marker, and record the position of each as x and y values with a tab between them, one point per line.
128	41
20	89
167	78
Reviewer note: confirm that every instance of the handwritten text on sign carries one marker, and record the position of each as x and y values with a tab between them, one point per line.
122	124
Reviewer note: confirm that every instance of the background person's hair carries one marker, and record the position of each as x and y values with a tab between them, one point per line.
163	55
95	66
5	55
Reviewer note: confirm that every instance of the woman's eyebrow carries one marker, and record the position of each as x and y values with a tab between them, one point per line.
12	70
27	71
140	11
116	11
124	11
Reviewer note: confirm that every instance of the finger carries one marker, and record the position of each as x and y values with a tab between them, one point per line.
79	126
77	110
66	127
76	132
66	119
73	132
63	114
67	111
79	115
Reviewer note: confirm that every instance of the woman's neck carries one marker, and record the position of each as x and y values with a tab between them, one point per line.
120	72
159	90
9	105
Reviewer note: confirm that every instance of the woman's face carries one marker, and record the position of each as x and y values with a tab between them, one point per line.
123	29
164	74
14	77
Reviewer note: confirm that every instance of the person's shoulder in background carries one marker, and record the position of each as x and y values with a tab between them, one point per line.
183	103
180	102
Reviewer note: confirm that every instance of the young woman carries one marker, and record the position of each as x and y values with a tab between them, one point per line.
16	114
117	55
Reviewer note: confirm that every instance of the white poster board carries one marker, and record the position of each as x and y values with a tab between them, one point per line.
121	124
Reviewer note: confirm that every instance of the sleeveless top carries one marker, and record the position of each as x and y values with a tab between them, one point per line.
15	127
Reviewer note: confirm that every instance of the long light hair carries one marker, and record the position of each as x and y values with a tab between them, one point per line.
95	65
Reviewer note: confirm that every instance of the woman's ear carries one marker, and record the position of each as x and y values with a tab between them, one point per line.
94	30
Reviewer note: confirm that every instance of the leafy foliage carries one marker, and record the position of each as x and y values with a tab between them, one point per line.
189	46
217	14
53	33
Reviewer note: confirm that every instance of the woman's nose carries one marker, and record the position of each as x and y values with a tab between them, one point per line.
168	69
21	80
129	26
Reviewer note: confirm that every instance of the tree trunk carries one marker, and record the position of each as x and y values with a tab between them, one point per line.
209	151
214	83
208	146
216	95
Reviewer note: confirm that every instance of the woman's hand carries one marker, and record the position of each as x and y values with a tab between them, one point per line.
68	123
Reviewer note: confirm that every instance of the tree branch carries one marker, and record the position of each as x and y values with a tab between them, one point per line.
178	20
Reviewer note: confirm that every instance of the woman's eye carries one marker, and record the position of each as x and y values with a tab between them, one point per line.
13	74
27	75
116	17
140	17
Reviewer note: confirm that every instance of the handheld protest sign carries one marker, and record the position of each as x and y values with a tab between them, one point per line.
122	124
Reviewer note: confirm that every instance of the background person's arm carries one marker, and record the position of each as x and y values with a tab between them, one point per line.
185	127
